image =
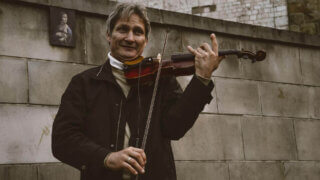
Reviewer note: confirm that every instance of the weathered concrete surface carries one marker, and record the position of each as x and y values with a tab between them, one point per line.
57	171
25	133
255	171
157	40
314	102
310	66
209	108
237	96
211	138
17	172
48	80
25	33
308	139
284	100
281	64
268	138
308	170
103	7
13	80
193	170
96	43
96	6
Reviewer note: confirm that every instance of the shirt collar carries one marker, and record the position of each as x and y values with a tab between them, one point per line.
115	63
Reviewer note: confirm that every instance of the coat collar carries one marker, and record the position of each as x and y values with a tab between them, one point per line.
103	72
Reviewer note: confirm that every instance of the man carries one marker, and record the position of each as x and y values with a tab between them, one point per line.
101	120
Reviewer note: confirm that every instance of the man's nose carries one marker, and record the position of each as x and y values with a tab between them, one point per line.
130	36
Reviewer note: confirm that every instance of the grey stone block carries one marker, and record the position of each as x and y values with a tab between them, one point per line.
188	170
157	39
314	102
97	46
212	138
97	6
18	172
237	96
25	33
256	171
26	133
302	170
231	65
308	139
209	108
57	171
310	66
281	64
284	100
13	80
155	4
48	80
175	18
268	138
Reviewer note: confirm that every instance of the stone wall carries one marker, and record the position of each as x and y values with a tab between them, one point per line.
263	122
269	13
304	16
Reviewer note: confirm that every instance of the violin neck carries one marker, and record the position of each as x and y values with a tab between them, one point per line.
190	57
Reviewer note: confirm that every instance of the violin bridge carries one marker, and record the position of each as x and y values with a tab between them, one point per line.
159	57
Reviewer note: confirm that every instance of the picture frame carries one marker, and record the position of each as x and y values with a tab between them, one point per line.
62	27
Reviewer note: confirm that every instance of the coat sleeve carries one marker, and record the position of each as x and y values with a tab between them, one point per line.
181	109
69	144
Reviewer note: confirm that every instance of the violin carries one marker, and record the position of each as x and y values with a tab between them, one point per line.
143	70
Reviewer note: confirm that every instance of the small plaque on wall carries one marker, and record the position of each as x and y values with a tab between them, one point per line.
62	25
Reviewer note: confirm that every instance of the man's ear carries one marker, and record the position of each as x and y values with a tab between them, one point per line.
108	38
146	42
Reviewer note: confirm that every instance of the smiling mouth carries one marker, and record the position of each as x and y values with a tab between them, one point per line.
128	47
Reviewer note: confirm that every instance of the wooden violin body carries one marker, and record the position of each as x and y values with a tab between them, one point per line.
178	65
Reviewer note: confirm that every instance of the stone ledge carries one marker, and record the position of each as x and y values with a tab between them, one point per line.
102	7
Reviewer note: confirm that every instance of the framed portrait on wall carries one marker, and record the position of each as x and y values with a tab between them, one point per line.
62	26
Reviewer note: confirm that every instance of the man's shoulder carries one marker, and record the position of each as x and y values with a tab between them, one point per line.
89	73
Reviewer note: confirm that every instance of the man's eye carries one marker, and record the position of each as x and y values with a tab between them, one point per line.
139	32
122	29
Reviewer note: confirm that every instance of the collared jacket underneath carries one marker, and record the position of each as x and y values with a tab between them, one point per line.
91	121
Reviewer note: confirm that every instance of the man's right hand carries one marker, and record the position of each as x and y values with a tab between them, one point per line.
131	159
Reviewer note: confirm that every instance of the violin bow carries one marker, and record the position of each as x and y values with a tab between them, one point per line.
155	88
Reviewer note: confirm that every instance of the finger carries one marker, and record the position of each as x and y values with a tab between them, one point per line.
129	168
207	47
137	156
144	156
141	151
135	165
193	51
202	52
214	43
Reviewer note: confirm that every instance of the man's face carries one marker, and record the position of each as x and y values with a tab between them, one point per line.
128	39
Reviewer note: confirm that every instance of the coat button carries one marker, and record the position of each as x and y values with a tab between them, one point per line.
83	167
117	104
112	145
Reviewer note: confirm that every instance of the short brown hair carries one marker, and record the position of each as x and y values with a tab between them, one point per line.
125	10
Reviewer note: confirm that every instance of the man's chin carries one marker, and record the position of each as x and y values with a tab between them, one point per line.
129	58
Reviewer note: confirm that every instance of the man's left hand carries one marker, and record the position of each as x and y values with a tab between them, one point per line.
207	59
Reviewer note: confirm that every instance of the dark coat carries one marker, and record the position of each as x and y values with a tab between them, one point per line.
86	127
